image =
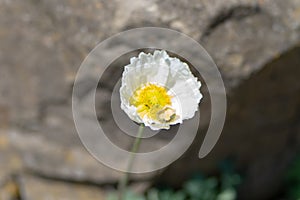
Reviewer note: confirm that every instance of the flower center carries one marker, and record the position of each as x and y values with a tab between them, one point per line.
154	102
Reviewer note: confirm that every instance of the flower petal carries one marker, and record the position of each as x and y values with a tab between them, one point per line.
165	71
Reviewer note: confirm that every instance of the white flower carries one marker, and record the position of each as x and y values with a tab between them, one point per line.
159	90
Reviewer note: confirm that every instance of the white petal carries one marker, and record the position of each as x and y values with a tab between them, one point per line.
188	93
163	70
155	125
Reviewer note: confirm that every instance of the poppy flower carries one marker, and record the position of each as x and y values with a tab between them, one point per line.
158	90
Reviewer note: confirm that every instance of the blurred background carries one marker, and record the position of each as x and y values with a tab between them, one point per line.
256	45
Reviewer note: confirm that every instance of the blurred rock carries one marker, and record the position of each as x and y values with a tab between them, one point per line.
261	129
255	44
242	46
34	188
53	160
9	190
270	107
9	158
10	165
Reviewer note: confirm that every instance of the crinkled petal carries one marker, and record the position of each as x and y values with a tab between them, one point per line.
159	68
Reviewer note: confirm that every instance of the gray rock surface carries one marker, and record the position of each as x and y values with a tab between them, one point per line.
34	188
9	190
42	44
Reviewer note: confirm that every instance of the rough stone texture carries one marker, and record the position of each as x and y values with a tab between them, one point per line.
9	190
42	189
10	160
254	43
51	160
10	165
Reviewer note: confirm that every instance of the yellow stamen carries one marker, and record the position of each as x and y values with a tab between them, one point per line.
154	101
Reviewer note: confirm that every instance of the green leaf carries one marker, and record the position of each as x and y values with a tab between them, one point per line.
165	195
129	195
180	195
153	194
228	194
202	189
230	180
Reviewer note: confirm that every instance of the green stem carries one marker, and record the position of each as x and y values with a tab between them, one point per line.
124	181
